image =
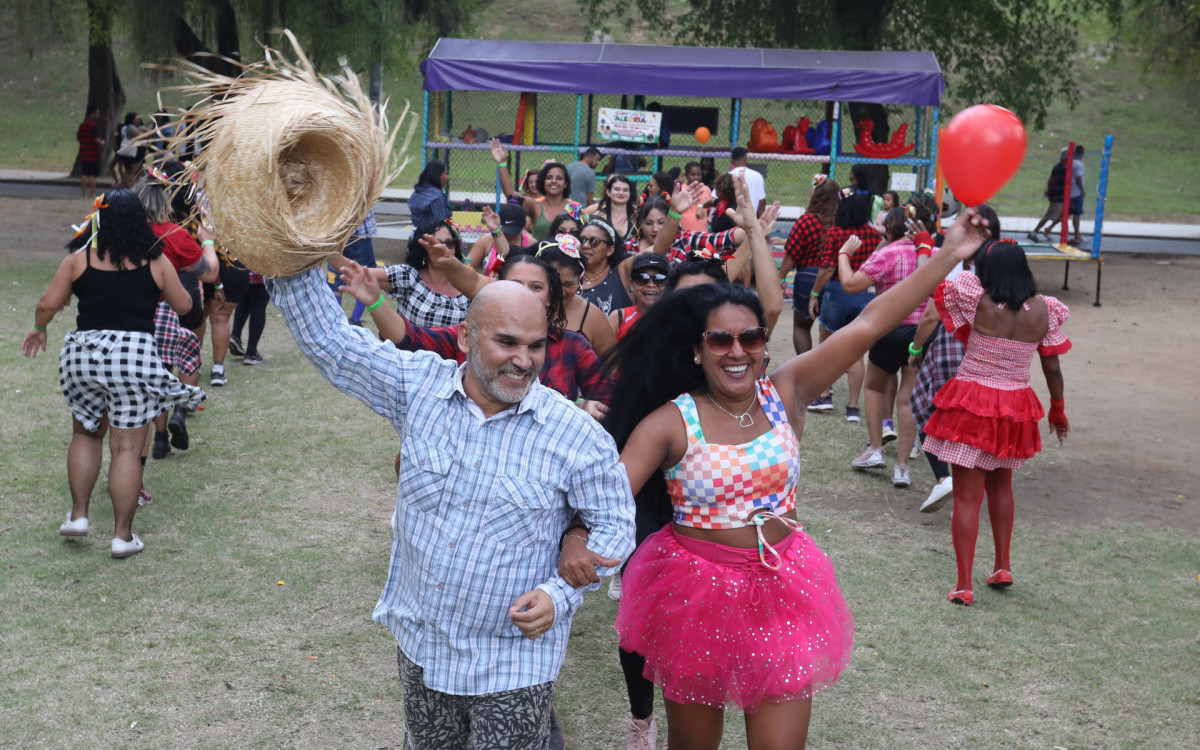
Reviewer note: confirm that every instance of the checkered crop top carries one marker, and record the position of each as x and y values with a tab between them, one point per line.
722	486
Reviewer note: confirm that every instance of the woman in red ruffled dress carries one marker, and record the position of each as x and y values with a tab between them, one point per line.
986	421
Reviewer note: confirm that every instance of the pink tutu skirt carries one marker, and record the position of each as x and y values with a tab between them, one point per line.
719	628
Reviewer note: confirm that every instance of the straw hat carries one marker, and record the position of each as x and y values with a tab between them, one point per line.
292	161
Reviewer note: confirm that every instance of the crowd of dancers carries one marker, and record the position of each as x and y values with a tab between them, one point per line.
635	309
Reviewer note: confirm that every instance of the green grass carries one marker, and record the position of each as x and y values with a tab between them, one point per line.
197	643
1154	156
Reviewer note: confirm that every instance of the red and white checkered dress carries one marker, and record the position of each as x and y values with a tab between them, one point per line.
987	415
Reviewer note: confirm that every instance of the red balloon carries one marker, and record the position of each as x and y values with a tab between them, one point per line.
982	147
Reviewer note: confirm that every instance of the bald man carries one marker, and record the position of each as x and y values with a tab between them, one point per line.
494	466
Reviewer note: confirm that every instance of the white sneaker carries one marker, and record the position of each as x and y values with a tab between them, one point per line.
77	527
122	548
901	476
614	586
870	459
941	492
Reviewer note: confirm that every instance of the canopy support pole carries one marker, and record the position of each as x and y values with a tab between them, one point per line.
735	116
835	139
933	155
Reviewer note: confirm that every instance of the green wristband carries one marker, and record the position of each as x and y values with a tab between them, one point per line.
814	295
39	330
672	215
376	304
916	352
208	242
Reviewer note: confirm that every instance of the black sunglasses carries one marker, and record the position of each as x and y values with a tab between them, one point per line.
593	241
643	278
721	342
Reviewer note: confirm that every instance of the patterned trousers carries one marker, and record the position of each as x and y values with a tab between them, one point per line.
511	720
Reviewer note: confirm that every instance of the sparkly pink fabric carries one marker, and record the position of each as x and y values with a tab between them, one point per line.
718	628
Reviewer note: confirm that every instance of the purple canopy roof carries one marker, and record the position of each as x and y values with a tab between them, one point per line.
912	78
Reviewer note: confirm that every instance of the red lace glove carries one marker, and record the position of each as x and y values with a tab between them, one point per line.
1058	418
924	243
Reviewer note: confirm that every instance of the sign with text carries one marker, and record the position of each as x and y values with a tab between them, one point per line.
628	125
906	181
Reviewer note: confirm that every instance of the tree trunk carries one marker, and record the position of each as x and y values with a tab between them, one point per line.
104	83
189	45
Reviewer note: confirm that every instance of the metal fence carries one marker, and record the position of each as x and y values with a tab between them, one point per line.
565	124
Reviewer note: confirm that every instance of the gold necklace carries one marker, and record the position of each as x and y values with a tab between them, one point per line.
744	419
594	281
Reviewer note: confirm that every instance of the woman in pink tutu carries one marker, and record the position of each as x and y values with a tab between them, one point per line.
986	418
732	603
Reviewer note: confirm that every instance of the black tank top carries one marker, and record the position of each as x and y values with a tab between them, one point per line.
115	300
609	294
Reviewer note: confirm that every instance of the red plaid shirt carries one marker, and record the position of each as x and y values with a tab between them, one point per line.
803	244
836	236
571	368
685	242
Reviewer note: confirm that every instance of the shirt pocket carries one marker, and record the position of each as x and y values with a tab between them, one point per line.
522	512
423	471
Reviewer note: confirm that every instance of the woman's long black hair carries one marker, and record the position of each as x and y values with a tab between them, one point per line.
431	175
656	363
417	257
125	235
1004	273
556	313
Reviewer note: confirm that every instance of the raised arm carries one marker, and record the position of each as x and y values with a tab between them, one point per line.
801	378
744	217
500	154
360	282
461	276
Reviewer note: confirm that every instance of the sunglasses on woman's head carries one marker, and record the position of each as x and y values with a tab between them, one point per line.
642	278
593	241
721	342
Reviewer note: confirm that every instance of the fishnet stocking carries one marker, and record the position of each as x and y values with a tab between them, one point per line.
125	477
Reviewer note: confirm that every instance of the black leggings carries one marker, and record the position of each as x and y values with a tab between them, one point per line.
254	307
641	690
941	469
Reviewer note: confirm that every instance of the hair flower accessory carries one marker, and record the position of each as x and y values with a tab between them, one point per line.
567	244
91	222
819	178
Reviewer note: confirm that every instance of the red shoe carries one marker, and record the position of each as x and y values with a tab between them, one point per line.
962	596
1001	579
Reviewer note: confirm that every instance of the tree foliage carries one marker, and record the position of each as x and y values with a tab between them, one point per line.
1015	53
365	32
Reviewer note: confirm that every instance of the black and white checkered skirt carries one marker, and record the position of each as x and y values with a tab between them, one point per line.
118	373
